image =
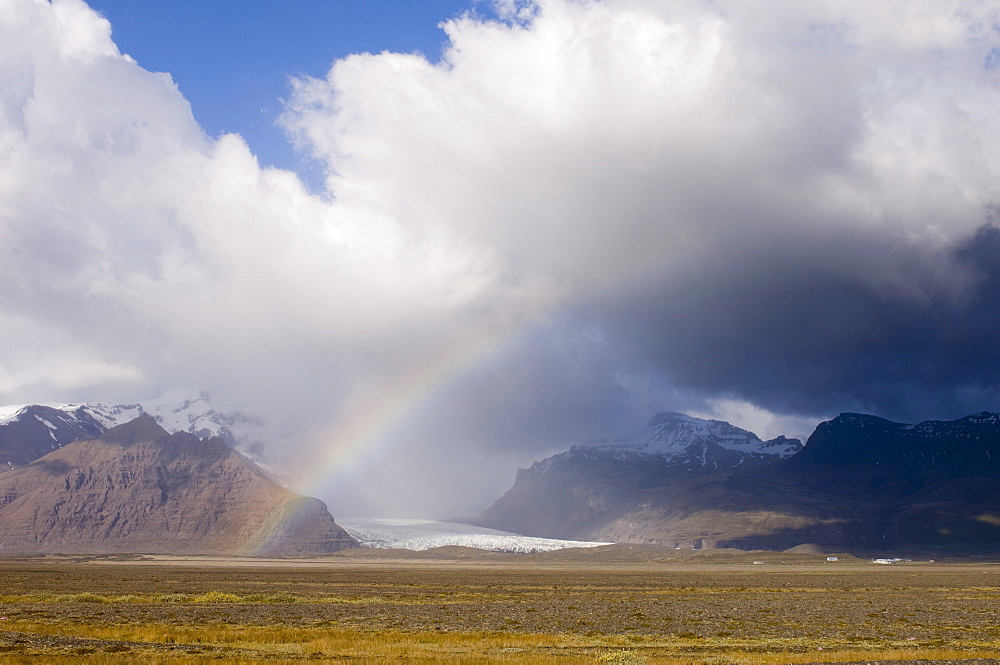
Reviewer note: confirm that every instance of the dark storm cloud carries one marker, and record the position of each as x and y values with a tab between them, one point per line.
817	325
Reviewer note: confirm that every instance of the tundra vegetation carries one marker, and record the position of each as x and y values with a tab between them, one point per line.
495	610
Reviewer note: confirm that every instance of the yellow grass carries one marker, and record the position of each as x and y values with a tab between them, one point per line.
287	644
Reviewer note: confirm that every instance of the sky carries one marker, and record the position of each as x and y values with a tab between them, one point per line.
430	244
233	61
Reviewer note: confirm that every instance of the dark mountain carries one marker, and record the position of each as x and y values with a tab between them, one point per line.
137	488
34	431
861	484
862	456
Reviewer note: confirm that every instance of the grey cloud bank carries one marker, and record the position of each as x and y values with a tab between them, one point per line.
770	212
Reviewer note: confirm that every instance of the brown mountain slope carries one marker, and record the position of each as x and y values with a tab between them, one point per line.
138	489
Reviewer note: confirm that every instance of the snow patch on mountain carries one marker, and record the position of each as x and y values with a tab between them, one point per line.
190	410
11	412
109	415
671	434
417	534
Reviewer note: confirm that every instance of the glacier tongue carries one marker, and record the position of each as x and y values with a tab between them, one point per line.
416	534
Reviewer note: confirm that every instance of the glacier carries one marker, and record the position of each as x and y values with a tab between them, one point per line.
424	534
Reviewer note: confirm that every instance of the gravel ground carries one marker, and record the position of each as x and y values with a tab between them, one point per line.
31	643
797	608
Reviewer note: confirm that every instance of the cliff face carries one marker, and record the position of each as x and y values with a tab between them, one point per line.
138	489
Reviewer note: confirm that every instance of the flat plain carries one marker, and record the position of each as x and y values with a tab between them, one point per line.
455	606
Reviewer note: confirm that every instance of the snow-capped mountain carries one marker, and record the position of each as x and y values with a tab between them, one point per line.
28	432
677	441
184	410
567	493
187	410
415	534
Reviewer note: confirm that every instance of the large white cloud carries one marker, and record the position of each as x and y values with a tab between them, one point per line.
630	134
602	206
123	222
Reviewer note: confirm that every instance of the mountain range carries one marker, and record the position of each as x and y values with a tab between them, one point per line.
168	476
860	484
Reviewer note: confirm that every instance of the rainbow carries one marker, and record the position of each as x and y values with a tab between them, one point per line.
363	434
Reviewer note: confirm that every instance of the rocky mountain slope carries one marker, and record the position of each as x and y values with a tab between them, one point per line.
861	484
137	488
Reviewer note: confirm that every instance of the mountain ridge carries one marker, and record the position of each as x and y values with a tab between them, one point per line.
183	410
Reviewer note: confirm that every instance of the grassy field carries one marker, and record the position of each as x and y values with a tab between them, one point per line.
496	611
